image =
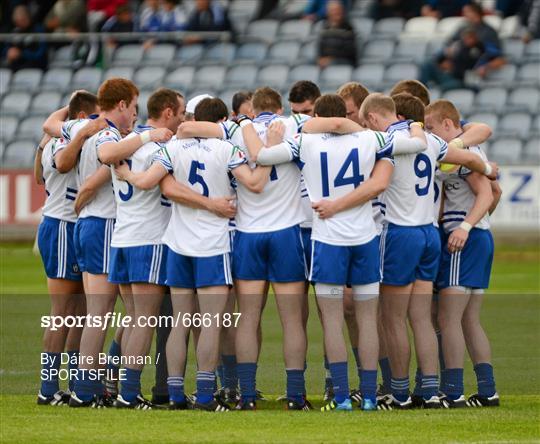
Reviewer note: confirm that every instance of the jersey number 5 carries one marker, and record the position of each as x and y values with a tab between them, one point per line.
354	179
195	177
422	169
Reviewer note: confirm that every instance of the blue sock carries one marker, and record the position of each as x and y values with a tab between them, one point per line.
400	388
386	373
215	382
452	382
441	355
72	367
418	383
98	387
296	386
430	386
247	372
357	360
328	378
84	387
205	386
115	352
131	386
340	380
49	382
230	377
485	379
221	374
175	385
368	384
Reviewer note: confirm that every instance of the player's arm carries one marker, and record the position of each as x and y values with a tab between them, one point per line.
338	125
471	161
416	143
144	180
114	152
475	133
91	185
253	142
481	187
375	185
53	125
38	168
182	194
496	190
254	179
65	158
207	130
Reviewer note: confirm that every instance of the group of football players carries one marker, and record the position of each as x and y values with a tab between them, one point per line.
377	201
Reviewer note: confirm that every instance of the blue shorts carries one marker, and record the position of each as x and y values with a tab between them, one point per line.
92	239
340	265
409	253
55	241
276	256
306	241
196	272
470	267
146	263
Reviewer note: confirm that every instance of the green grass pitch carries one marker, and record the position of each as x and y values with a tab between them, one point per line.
511	317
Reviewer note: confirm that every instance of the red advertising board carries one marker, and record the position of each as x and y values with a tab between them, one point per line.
21	198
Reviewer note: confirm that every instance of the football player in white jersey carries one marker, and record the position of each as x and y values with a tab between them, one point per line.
345	248
411	249
199	246
55	241
465	268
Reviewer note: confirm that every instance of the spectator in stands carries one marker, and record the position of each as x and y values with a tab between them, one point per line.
101	10
395	8
474	18
25	52
173	16
316	9
149	19
122	21
208	15
530	19
241	104
469	53
337	40
67	16
443	8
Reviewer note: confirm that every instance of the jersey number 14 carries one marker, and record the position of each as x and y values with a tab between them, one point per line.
340	180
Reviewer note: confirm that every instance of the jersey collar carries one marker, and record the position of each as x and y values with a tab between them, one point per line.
141	128
265	117
399	125
112	125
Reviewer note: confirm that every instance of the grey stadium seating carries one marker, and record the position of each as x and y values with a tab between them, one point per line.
273	75
8	128
15	104
128	55
45	103
57	79
19	154
31	127
304	72
26	80
505	151
491	99
181	78
241	77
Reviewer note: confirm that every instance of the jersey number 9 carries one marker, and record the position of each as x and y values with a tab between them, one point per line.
422	169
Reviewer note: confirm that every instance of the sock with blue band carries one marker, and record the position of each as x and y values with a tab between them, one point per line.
452	383
485	379
205	386
418	383
131	386
84	387
175	386
296	386
247	372
400	388
49	373
368	385
230	376
340	380
430	386
114	352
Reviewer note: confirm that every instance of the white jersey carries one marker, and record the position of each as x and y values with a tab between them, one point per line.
379	211
437	198
459	198
204	166
409	197
141	215
333	165
61	189
279	205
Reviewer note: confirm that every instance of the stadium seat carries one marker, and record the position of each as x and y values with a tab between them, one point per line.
19	154
449	25
399	71
362	26
273	75
509	27
161	54
2	150
220	53
420	27
388	27
8	128
31	127
490	99
149	76
515	124
122	71
410	50
501	77
377	51
88	78
308	52
189	54
262	30
304	72
461	98
283	52
532	151
242	12
57	79
26	80
529	74
142	102
226	95
197	92
513	49
370	75
334	76
251	52
488	118
241	76
15	104
536	125
435	45
45	103
128	55
524	99
181	78
505	151
62	57
209	76
5	78
294	30
532	51
435	94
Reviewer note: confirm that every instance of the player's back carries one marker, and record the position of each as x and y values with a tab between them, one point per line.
203	165
61	189
408	201
333	166
142	215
